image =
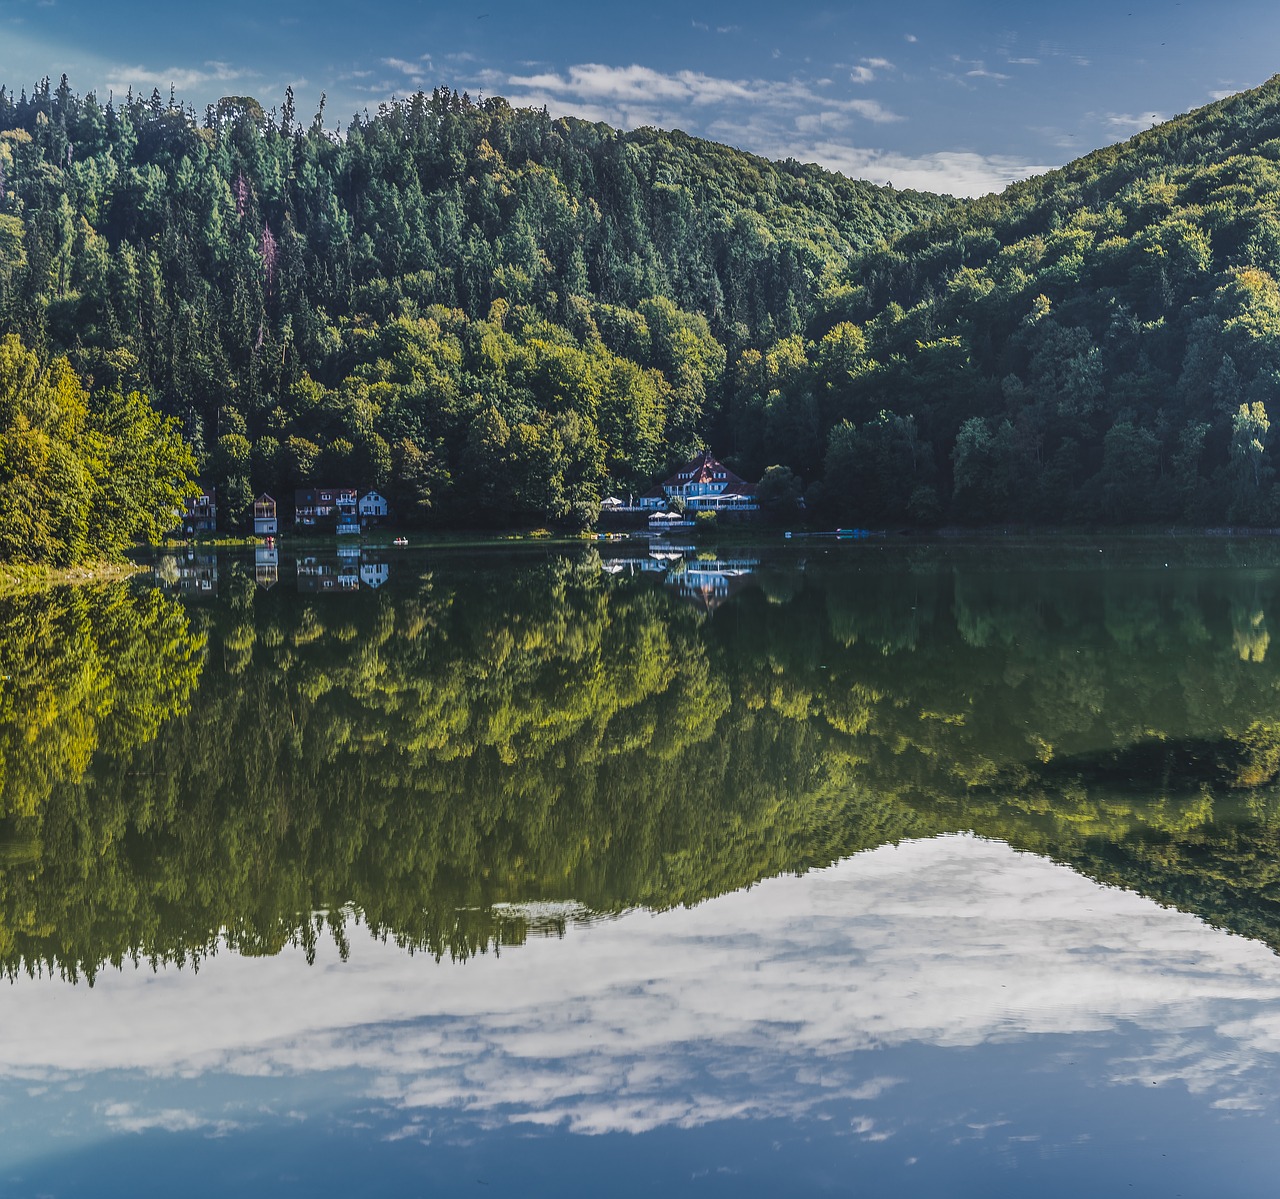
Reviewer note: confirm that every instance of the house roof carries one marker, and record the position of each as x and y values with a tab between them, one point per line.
707	468
304	494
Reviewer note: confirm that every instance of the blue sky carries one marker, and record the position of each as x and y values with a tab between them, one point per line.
948	96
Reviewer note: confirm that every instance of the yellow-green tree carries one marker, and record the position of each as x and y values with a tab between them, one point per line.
81	478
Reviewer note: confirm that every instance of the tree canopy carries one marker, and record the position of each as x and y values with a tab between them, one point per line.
80	477
497	316
1095	345
500	314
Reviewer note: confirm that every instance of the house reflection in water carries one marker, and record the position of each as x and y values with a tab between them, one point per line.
634	566
705	582
342	572
372	573
197	574
709	582
328	574
266	566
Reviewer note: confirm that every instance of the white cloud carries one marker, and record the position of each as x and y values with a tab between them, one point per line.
1128	123
977	70
792	118
871	110
596	83
821	137
869	69
635	95
417	74
955	172
182	78
127	1118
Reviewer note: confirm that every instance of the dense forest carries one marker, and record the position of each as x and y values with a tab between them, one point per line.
1099	344
545	731
499	317
489	314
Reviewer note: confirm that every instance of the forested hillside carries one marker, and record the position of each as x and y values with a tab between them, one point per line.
496	316
489	313
1098	344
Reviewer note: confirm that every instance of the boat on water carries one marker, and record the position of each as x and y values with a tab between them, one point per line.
401	541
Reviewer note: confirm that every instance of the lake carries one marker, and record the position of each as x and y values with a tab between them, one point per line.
874	868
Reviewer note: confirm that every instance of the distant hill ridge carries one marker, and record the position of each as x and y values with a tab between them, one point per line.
1080	346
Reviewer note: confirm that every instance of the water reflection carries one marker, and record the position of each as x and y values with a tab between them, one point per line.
192	573
266	566
702	578
94	670
464	732
872	1004
581	781
328	574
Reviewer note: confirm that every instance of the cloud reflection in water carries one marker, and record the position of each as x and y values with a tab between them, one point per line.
760	1004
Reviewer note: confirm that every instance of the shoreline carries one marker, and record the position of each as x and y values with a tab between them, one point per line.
22	578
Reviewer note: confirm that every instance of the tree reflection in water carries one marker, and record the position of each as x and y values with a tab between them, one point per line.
418	756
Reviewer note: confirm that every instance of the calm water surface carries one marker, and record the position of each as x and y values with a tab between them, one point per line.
854	869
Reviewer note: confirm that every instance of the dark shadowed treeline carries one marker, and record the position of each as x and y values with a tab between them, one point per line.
477	735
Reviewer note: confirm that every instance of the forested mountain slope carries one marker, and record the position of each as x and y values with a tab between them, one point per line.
491	313
496	316
1100	343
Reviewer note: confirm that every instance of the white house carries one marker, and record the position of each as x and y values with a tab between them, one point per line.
372	505
374	574
705	485
265	523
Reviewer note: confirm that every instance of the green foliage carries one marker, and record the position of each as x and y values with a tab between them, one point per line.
779	491
317	308
1079	347
84	668
81	479
531	313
